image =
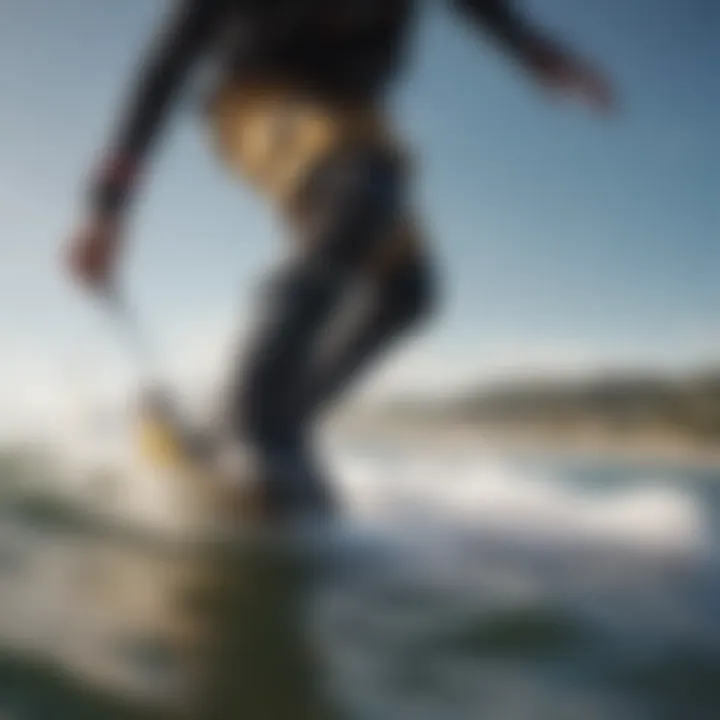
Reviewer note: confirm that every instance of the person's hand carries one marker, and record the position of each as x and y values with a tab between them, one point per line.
95	248
564	73
93	252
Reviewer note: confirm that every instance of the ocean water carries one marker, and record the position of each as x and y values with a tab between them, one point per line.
461	585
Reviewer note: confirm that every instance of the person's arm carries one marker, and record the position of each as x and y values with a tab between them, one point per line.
551	63
95	248
500	19
162	73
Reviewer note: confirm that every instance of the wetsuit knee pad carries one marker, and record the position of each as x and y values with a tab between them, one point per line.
350	205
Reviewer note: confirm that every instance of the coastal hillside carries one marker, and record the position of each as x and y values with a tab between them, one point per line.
684	408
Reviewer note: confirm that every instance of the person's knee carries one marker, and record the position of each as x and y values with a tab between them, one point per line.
411	292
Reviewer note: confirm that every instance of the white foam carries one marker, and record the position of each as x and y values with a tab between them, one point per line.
471	492
495	496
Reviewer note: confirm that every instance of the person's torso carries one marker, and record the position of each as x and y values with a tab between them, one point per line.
339	47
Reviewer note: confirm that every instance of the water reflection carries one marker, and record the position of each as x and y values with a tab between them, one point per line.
505	591
192	632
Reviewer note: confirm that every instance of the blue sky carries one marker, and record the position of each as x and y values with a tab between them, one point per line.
564	238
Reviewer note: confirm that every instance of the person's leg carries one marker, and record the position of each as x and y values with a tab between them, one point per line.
350	207
399	298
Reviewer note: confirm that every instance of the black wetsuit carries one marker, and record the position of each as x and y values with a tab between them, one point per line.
338	47
342	50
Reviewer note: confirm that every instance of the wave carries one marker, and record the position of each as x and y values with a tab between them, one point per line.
391	492
468	543
505	498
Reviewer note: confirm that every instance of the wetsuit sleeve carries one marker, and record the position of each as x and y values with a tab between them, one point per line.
180	42
501	19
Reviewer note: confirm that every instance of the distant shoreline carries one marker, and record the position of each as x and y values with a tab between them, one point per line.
654	448
631	416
